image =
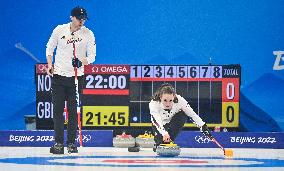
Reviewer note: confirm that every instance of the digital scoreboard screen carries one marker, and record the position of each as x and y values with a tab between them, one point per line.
106	96
118	95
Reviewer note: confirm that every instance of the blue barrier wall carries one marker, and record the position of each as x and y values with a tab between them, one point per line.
187	139
243	32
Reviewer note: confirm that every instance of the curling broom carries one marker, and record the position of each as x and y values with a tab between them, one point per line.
78	100
227	152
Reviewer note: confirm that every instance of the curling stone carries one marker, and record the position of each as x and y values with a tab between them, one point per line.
123	141
146	140
168	150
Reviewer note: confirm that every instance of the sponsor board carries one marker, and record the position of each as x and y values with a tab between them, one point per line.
232	140
42	138
188	139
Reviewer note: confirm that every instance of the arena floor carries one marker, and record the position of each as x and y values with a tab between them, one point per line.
112	159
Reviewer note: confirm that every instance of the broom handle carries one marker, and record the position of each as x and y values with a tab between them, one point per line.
218	144
77	99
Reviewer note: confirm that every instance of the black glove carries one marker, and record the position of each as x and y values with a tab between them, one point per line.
76	62
206	132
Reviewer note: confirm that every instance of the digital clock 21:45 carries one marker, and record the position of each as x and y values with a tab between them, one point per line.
105	116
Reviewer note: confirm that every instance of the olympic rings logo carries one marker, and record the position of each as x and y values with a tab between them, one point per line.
202	139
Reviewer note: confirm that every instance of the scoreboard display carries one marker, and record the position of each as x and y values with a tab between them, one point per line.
106	96
118	95
44	107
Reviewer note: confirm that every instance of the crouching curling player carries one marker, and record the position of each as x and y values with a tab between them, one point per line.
169	112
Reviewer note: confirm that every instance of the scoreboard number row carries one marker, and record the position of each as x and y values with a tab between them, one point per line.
176	71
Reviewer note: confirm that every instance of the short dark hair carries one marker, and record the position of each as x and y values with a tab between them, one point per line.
80	13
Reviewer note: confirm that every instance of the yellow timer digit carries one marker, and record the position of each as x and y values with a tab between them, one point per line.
105	116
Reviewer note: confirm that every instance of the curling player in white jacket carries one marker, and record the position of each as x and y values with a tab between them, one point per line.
169	112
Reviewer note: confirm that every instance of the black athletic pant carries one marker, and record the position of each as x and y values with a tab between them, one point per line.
63	88
173	127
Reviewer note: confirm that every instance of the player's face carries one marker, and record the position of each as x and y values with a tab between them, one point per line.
167	100
78	23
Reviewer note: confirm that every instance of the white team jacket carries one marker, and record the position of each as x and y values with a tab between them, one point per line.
160	117
62	39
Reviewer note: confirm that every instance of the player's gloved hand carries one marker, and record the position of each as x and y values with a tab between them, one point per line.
49	70
76	62
204	129
167	138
